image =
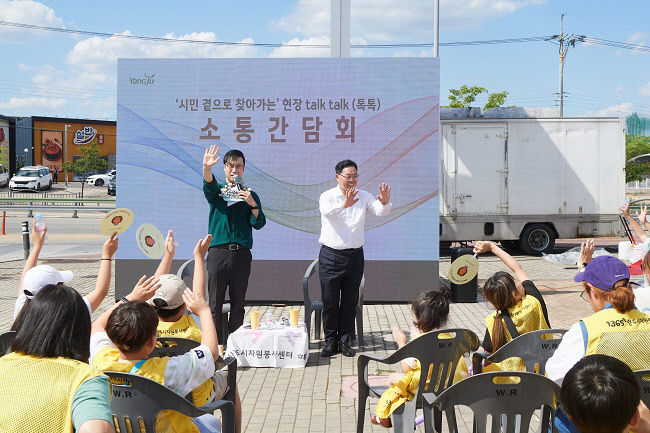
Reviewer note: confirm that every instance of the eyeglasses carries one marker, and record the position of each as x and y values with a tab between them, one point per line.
349	176
415	323
233	166
582	295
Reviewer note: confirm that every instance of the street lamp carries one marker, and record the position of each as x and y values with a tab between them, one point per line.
65	150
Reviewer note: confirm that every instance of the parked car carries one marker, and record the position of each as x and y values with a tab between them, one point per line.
4	175
34	177
100	179
111	186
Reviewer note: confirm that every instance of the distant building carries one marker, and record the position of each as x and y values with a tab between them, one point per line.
636	125
7	139
43	141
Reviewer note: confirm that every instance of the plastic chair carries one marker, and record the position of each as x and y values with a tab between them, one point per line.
186	273
172	346
531	347
316	305
440	355
6	340
512	404
643	376
136	400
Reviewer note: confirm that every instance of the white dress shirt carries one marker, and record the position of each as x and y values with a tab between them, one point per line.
342	228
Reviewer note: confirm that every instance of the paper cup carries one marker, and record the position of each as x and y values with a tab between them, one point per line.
293	317
255	319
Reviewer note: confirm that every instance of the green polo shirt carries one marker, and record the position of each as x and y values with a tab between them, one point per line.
231	224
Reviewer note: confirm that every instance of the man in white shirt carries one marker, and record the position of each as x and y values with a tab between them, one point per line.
340	262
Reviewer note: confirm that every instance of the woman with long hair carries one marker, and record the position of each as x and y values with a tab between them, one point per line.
519	305
46	383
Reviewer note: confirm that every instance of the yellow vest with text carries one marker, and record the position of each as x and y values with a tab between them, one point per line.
167	421
624	336
527	315
185	327
36	393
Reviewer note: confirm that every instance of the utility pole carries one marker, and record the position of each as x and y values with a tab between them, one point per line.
566	42
436	28
340	27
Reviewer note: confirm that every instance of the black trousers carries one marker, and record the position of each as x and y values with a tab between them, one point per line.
340	273
228	269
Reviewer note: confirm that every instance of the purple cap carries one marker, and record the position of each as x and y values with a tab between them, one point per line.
603	272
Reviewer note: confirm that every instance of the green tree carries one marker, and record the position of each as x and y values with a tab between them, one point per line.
496	99
635	146
89	162
463	97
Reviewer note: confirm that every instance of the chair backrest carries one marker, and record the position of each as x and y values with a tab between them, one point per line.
186	273
139	400
643	376
438	355
172	346
504	398
312	269
6	340
534	348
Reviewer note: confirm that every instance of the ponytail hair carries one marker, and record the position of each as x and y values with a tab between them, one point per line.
621	296
498	290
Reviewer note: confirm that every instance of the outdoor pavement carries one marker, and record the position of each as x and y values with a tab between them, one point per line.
322	396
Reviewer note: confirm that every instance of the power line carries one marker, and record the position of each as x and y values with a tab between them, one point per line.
270	45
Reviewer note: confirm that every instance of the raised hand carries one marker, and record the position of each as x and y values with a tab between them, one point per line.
399	336
642	214
110	247
350	197
625	209
170	245
202	246
210	157
586	251
38	237
384	193
482	246
195	303
144	289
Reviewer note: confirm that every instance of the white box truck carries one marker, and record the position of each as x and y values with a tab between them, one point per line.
530	180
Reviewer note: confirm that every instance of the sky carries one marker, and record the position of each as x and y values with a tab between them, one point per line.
46	73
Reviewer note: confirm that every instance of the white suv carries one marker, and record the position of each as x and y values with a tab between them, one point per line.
35	178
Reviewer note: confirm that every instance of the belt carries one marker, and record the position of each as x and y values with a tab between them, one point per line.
343	251
231	247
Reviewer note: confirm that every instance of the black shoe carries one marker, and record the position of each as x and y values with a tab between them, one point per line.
331	348
346	349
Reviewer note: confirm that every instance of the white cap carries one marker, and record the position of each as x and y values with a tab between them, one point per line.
42	275
170	293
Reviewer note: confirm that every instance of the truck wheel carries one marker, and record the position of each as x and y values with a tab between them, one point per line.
536	239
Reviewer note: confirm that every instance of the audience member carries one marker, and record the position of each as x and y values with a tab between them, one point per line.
430	311
519	304
124	337
600	394
46	383
170	306
34	277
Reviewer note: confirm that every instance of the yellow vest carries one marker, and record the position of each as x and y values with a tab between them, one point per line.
36	393
624	336
527	315
167	421
185	327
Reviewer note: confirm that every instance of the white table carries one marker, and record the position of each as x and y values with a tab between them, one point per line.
281	347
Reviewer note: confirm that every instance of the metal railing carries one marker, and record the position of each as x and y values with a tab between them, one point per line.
49	203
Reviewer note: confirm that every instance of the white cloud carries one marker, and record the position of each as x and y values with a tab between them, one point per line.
32	105
619	90
622	109
98	56
304	52
27	12
395	20
645	90
636	38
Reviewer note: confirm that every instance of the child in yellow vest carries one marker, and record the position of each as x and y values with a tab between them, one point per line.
516	300
123	338
170	306
430	311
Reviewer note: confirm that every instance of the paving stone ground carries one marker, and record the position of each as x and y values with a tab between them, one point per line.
322	396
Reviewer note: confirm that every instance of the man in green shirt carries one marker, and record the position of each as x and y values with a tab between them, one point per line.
231	224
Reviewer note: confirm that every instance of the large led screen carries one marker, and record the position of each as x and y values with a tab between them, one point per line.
294	119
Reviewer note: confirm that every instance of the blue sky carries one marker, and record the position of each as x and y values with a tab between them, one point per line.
67	75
